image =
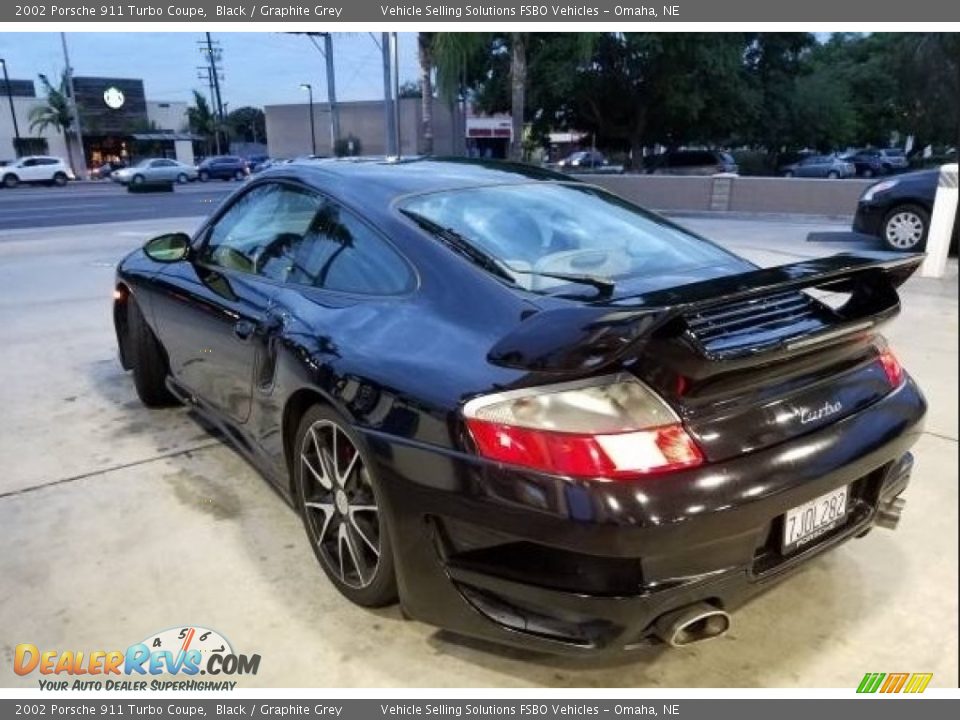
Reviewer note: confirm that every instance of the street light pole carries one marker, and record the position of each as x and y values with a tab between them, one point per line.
313	135
13	113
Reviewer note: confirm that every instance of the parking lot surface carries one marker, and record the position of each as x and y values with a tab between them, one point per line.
120	521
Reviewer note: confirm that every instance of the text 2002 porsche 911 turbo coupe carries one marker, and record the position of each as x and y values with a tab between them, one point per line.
527	409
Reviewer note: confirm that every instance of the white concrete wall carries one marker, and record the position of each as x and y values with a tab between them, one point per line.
167	115
22	106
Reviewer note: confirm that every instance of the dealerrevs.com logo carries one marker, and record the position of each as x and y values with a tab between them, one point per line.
184	653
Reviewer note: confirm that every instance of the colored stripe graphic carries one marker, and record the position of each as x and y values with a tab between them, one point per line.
918	682
894	682
870	682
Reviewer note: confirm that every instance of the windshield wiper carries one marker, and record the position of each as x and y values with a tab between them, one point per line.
458	243
603	286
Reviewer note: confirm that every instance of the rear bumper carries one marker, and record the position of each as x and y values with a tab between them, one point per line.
584	567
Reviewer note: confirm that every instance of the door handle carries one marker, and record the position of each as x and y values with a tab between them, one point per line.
243	329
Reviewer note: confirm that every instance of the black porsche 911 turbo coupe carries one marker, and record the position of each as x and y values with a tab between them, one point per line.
529	410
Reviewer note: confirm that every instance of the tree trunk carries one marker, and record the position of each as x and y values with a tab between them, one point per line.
518	87
426	93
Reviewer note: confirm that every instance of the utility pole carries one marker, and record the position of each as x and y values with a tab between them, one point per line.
203	73
313	133
396	93
13	113
388	99
331	91
212	54
75	112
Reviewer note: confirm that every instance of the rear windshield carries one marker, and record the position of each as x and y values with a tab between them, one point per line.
569	229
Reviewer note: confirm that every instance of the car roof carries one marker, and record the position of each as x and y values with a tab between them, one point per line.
392	178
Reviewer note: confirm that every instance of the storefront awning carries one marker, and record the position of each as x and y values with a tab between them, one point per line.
165	136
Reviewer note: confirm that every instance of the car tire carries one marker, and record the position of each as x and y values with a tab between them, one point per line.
833	175
148	359
10	180
868	173
182	178
905	228
788	174
60	179
203	176
137	180
346	523
238	175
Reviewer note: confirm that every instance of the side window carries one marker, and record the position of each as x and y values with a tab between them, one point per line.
254	231
339	252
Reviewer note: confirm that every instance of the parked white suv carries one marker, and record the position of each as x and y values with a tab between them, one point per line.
36	169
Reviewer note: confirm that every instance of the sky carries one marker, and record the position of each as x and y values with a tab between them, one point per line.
258	68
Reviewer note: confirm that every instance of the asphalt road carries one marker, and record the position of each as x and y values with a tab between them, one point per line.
104	202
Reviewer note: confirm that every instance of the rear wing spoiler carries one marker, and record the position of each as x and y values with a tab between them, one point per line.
585	338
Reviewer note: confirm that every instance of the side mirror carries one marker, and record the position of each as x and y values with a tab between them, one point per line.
169	248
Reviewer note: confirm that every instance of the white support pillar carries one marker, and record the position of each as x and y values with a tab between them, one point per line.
941	223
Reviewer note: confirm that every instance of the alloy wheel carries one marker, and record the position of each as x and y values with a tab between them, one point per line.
339	504
904	230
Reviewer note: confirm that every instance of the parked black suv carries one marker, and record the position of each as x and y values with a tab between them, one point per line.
222	167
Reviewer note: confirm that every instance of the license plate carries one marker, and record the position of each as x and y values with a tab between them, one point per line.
807	522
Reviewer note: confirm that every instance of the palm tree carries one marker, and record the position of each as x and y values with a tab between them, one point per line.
453	53
55	112
518	91
425	56
201	119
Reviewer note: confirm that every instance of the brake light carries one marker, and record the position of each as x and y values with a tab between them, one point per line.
611	427
892	368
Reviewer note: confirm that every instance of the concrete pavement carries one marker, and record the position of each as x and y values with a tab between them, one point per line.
121	521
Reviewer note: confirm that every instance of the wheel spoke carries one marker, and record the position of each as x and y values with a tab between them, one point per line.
346	539
359	530
324	481
342	479
327	510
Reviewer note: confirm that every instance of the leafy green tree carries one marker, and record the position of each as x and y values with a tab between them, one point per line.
247	124
202	120
54	112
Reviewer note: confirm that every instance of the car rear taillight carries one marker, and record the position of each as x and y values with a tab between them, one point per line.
892	368
610	427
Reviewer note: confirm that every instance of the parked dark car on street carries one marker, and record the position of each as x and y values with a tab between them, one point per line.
104	171
820	166
897	210
222	167
530	410
582	159
691	162
874	162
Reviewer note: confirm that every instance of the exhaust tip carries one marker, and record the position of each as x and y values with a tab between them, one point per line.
889	512
692	624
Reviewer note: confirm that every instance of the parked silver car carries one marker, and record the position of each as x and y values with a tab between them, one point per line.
820	166
155	170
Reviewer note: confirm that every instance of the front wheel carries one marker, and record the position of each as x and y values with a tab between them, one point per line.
833	175
788	174
60	179
238	175
204	176
148	359
182	178
10	181
137	180
905	228
339	498
868	173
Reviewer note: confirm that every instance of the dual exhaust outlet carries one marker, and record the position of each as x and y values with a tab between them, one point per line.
691	624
